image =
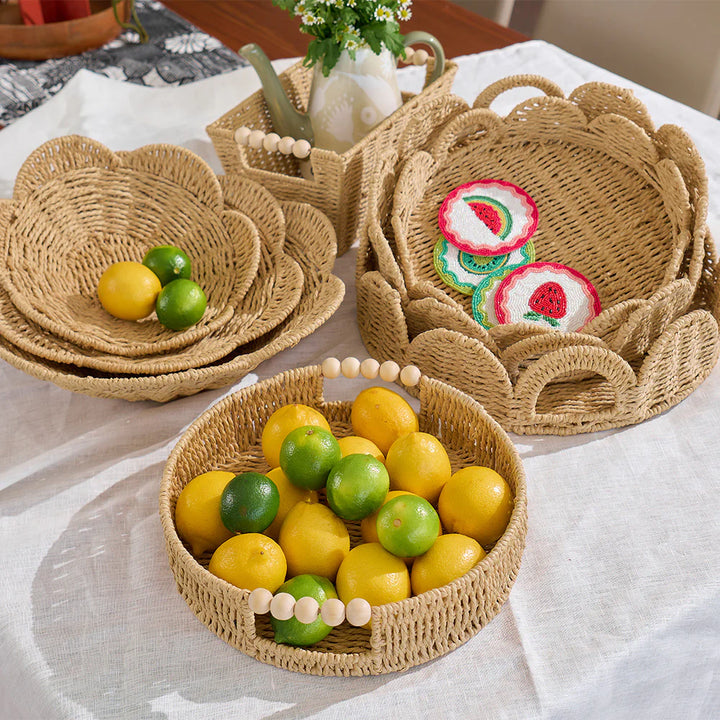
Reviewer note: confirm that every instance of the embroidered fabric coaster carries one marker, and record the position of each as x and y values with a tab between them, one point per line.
488	217
462	270
483	299
549	294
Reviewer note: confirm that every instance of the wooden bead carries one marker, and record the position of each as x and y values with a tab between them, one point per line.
242	134
389	371
332	612
410	375
255	139
301	149
369	368
259	600
307	610
358	612
350	367
282	606
331	368
285	145
420	57
409	52
270	143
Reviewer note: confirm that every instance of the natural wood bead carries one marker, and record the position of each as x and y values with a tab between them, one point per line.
285	145
369	368
255	139
332	612
389	371
409	52
420	57
282	606
307	610
358	612
410	375
259	600
301	149
270	143
331	368
242	134
350	367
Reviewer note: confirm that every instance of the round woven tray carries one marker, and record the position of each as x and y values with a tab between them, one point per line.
404	633
78	207
642	241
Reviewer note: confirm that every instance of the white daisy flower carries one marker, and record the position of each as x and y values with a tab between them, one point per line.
310	19
404	13
383	13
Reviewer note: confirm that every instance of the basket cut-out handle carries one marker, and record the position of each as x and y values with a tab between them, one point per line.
425	122
565	362
598	98
486	97
475	124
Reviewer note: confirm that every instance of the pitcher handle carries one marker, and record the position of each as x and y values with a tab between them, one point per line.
419	36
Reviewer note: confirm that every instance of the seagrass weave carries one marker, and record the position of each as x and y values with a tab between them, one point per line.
620	201
339	183
78	208
403	634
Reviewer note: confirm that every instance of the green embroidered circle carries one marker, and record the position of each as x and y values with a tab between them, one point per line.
483	299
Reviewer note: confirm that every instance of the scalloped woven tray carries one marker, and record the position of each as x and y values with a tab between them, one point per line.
403	634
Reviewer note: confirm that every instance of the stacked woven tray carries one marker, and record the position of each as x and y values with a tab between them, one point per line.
620	201
77	207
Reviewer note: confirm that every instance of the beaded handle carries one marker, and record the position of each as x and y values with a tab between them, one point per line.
272	142
283	606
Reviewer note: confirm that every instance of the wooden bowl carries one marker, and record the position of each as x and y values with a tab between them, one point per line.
53	40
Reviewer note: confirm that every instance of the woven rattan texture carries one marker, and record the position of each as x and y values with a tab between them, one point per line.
638	231
77	208
404	633
340	181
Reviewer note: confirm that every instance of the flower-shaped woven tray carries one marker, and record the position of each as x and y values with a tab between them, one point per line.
403	634
78	207
657	336
309	240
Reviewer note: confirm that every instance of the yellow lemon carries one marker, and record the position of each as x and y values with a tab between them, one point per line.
197	512
418	463
250	561
290	495
315	540
382	416
450	557
355	445
372	573
477	502
128	290
283	421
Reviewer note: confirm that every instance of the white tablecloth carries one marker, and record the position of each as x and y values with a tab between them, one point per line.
615	612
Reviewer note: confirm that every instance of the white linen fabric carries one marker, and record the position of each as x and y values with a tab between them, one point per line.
615	612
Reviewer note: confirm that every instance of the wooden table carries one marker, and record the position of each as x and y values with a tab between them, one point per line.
237	22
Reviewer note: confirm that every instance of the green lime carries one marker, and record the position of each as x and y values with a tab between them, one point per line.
407	526
168	263
249	503
180	304
292	631
307	455
357	486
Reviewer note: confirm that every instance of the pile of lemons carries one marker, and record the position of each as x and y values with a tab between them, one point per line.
161	282
420	525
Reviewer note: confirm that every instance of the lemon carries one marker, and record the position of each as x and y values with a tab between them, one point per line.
418	463
307	455
249	503
368	525
315	540
354	444
450	557
168	263
382	416
180	304
281	422
250	561
290	495
372	573
357	486
477	502
197	512
407	526
128	290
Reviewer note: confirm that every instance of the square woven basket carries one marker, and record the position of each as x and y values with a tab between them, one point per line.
340	180
403	634
622	202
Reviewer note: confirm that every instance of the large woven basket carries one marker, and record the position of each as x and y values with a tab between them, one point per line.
623	203
404	633
340	181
